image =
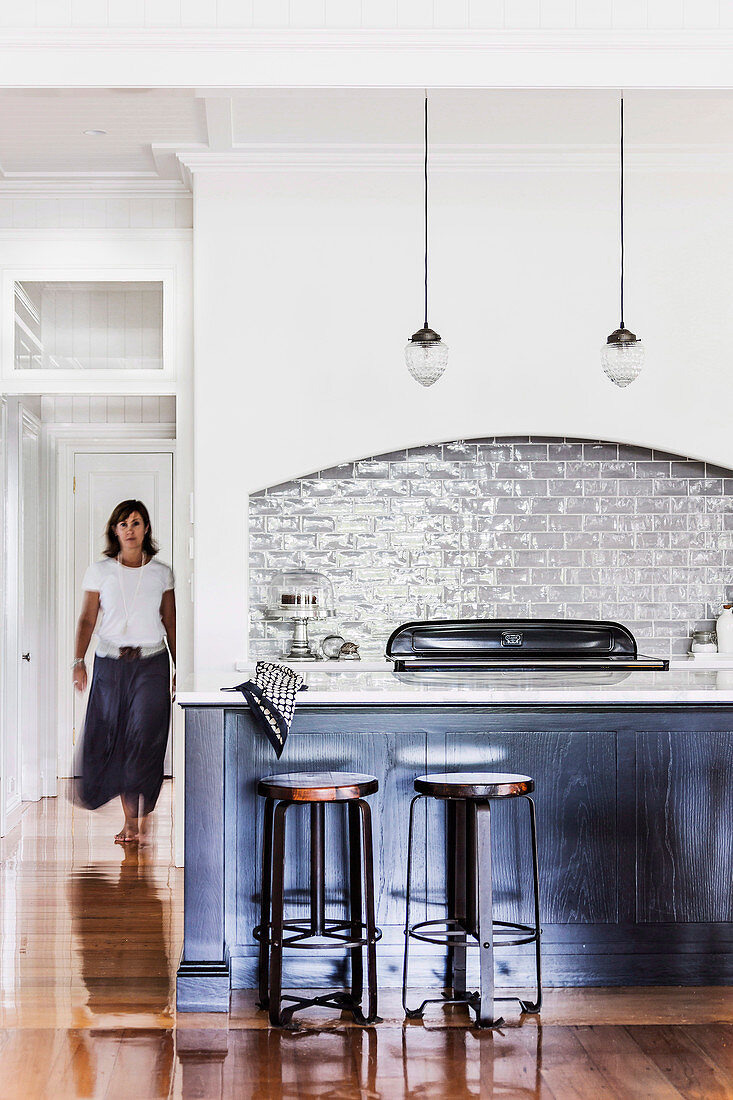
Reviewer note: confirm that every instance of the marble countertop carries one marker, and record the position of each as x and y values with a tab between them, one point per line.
368	687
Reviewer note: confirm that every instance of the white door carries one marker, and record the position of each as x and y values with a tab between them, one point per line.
101	481
29	657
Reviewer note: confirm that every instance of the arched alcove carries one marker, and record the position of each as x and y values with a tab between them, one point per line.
511	526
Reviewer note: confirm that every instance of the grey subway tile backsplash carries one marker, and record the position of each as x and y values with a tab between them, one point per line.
502	528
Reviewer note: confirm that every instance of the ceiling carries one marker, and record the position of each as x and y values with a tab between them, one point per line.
42	131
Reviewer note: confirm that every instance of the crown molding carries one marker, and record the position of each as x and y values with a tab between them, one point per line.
186	162
453	158
170	166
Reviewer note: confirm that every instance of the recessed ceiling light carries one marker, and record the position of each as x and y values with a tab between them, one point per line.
94	133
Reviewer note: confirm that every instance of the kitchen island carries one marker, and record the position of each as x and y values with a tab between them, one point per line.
634	794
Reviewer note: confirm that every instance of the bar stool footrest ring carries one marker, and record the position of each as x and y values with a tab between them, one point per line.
339	931
448	936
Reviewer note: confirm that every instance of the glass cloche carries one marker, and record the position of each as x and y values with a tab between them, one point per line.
300	595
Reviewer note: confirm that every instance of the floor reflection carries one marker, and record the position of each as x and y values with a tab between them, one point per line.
140	1062
117	924
412	1062
118	932
466	1062
90	932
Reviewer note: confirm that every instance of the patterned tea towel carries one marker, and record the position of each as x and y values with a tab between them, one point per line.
271	696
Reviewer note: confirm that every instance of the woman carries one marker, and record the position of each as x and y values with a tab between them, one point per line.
128	712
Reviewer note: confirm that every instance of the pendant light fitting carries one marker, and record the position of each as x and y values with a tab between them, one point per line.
426	355
622	356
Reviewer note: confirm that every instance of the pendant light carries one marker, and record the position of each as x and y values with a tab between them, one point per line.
622	356
426	354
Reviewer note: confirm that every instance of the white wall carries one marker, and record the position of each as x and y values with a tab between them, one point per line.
90	207
308	285
102	409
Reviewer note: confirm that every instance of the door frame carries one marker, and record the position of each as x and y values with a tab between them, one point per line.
72	440
15	419
31	785
7	678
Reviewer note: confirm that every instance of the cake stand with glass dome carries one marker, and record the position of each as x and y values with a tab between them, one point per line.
299	595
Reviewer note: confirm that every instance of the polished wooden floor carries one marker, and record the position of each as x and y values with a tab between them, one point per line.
90	936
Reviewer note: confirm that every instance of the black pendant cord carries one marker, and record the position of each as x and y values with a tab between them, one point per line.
622	211
426	211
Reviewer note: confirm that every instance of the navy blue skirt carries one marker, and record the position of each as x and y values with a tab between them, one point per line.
125	731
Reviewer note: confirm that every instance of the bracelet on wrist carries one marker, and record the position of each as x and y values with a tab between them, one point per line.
78	662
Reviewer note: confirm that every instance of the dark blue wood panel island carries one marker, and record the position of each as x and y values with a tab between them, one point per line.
634	793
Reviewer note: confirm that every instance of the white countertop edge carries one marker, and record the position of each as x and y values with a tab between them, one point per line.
573	697
686	684
718	661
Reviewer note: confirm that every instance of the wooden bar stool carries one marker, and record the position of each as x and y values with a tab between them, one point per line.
468	797
318	932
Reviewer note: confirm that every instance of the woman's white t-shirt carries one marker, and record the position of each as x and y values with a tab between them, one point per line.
111	580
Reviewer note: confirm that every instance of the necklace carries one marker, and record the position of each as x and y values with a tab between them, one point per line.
122	590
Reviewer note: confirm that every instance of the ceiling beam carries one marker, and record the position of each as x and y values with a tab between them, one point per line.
249	58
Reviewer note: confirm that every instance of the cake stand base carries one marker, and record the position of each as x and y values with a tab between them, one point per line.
300	649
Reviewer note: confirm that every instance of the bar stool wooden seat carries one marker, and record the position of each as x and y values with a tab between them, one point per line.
468	796
318	932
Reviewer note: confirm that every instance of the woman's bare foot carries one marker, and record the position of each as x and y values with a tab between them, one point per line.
129	831
127	834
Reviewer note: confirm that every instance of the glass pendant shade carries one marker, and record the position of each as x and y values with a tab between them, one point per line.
426	356
622	357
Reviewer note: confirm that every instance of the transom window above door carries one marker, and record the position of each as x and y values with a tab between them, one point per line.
80	325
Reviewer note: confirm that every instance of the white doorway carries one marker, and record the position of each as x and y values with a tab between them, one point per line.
101	480
111	448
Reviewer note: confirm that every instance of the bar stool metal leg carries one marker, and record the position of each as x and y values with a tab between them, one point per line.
318	860
276	935
355	901
412	1014
457	818
535	1006
485	931
265	898
370	918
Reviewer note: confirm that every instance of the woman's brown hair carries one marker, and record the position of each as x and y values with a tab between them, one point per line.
124	509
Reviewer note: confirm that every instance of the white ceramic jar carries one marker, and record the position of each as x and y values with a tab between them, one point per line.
724	629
